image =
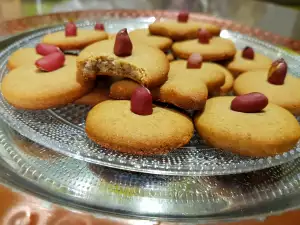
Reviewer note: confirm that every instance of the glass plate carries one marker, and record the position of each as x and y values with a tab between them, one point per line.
102	190
62	129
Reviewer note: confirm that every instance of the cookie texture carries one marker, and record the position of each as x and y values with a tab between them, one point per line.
170	56
83	39
21	57
144	36
185	88
217	49
181	31
26	87
112	125
229	80
267	133
240	65
286	95
146	65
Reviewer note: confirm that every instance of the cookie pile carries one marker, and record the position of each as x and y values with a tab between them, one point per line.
181	63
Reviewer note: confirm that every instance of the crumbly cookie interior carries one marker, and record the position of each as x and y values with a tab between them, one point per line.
105	65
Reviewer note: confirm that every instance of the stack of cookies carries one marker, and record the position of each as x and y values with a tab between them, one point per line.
140	85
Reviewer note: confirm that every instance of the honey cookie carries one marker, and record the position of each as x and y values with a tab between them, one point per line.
285	94
170	56
229	80
215	49
99	94
120	58
182	29
247	60
249	133
27	87
28	56
21	57
186	88
144	36
74	39
157	133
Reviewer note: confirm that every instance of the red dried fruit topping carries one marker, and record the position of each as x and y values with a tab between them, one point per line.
183	16
204	36
99	26
141	101
51	62
123	45
249	103
194	61
70	29
277	72
248	53
46	49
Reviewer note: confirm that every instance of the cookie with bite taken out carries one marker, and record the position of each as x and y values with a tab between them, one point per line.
146	65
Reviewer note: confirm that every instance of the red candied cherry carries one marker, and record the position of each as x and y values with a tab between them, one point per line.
194	61
46	49
99	26
248	53
249	103
51	62
70	29
204	36
141	101
123	45
183	16
277	72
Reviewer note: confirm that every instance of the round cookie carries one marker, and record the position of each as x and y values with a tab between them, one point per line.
27	87
83	39
99	59
217	49
240	64
272	131
21	57
144	36
158	133
286	95
181	31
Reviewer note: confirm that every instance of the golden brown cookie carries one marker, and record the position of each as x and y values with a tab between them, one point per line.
170	56
240	65
21	57
286	95
272	131
181	31
99	94
229	79
99	59
158	133
185	88
144	36
27	87
217	49
80	41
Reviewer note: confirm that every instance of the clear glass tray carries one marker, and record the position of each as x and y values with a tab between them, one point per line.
88	187
62	129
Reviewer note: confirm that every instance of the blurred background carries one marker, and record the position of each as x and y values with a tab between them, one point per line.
11	9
